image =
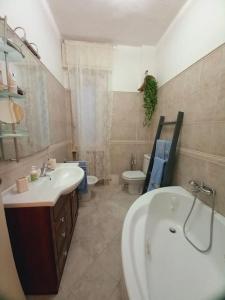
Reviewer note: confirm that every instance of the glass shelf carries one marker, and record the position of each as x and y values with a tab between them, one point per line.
13	52
6	94
16	134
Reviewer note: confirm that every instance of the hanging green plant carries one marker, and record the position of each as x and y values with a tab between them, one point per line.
150	98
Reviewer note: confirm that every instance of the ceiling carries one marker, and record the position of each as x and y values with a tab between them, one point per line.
129	22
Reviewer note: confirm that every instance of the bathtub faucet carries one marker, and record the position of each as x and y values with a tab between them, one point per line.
201	187
195	185
207	190
210	192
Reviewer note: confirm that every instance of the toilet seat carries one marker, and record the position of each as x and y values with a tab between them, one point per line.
134	175
92	180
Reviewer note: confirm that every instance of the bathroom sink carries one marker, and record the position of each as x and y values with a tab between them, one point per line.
46	190
66	178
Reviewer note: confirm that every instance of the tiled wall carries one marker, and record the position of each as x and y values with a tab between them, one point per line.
128	135
60	136
199	91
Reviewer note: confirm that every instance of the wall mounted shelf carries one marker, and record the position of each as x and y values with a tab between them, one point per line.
16	134
6	94
9	52
13	52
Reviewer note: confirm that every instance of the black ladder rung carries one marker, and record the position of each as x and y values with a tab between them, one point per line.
169	123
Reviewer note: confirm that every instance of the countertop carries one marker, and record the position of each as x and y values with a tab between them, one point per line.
42	192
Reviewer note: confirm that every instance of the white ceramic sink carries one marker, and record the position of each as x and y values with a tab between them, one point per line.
46	190
66	179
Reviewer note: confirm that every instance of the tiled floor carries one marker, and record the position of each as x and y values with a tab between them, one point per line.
93	270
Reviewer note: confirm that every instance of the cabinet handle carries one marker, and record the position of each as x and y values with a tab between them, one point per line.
65	253
63	234
62	219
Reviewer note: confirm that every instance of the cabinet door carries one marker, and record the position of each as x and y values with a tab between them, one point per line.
61	236
74	206
69	221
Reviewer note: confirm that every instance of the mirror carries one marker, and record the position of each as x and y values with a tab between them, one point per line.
10	112
24	114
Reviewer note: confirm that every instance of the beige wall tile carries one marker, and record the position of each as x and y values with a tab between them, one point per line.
188	167
124	130
128	135
120	155
57	110
124	116
199	91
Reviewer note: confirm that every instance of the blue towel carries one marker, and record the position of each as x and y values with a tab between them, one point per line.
163	149
83	186
157	173
161	157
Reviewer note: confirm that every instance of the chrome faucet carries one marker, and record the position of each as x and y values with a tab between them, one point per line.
207	190
44	170
201	187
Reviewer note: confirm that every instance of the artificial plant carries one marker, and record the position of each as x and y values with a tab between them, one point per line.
149	88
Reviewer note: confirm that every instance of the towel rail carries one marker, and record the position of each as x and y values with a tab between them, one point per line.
169	123
169	167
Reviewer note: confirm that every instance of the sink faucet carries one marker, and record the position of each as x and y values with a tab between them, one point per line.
44	170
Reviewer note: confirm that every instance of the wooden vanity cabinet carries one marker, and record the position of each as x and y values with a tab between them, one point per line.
40	239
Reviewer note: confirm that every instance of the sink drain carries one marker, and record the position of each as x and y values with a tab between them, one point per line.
172	230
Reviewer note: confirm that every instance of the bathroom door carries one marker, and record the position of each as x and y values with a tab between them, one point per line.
10	288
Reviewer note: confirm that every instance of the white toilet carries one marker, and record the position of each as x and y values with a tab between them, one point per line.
91	181
135	179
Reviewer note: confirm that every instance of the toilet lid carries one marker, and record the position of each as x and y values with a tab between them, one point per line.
92	180
134	174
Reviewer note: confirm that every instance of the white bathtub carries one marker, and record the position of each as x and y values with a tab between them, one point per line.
160	265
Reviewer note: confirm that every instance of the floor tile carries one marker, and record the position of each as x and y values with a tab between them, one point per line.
110	260
95	285
93	268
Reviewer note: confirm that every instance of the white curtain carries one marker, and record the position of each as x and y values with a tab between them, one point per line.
90	69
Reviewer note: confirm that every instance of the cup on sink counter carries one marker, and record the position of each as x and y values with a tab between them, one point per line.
52	163
22	184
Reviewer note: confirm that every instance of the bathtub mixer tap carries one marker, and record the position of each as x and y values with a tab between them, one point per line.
200	187
195	185
207	190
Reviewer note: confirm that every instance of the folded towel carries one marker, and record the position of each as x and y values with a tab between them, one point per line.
163	149
161	157
83	186
156	174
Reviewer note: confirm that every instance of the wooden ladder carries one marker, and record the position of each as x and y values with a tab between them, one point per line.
169	167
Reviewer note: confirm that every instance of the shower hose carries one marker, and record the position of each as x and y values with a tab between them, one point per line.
211	225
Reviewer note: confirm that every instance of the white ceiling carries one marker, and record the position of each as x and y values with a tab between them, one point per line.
130	22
